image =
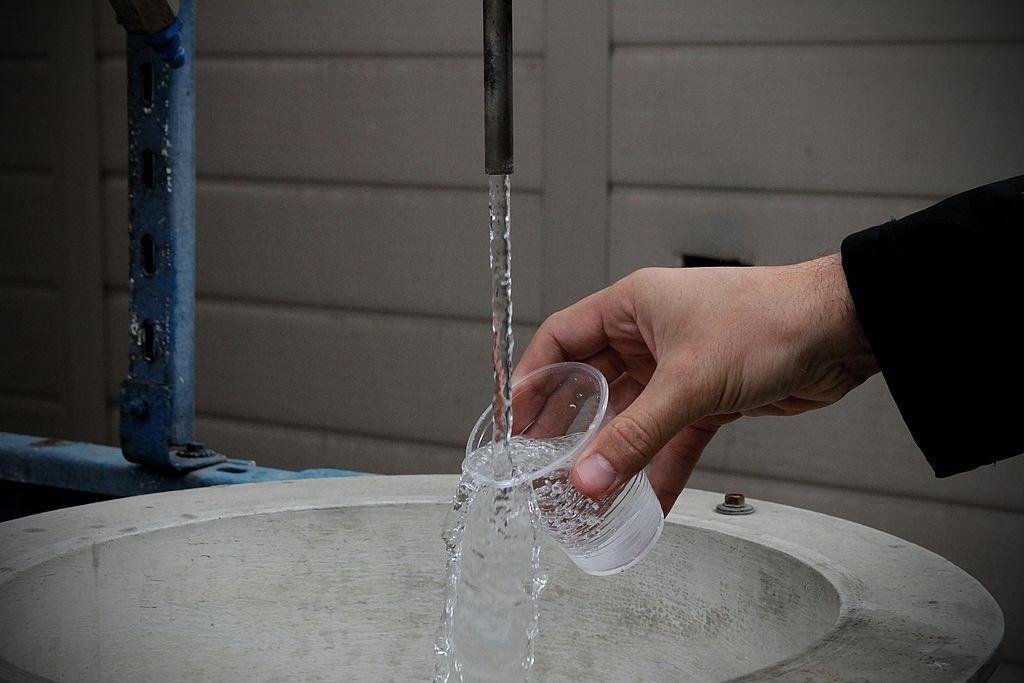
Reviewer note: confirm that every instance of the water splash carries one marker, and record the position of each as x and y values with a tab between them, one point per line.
492	586
446	665
493	578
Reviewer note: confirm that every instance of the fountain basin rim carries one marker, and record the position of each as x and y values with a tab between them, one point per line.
894	596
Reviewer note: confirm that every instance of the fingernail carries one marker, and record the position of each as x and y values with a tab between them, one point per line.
595	474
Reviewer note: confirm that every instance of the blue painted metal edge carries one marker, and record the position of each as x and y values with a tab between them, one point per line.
103	470
167	44
158	395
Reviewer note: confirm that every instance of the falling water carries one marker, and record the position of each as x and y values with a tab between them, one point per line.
492	578
501	317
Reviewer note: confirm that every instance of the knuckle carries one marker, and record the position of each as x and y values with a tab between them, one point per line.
639	285
669	487
638	278
551	321
664	492
548	329
636	444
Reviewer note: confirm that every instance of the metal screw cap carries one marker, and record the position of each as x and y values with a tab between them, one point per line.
138	408
734	504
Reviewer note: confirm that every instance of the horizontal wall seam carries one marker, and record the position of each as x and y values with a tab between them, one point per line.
118	291
243	421
768	43
27	58
229	179
326	431
25	172
39	399
14	285
617	185
225	55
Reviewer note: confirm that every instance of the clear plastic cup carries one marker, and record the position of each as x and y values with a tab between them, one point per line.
556	413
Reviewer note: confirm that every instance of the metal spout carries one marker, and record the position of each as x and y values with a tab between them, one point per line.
498	86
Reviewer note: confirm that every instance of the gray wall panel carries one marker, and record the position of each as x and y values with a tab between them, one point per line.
332	27
23	32
404	377
31	415
29	240
707	21
31	341
656	226
291	448
26	114
297	448
576	95
859	444
912	120
77	183
368	248
367	119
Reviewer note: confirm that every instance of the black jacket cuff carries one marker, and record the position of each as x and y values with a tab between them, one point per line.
938	294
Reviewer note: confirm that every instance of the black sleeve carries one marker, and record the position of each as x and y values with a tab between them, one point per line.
940	294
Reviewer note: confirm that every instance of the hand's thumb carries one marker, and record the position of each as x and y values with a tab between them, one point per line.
630	440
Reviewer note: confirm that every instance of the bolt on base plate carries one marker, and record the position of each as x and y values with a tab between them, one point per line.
734	504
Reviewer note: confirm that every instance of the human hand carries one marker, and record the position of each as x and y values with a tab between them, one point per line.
686	351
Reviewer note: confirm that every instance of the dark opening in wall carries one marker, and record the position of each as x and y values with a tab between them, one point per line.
697	261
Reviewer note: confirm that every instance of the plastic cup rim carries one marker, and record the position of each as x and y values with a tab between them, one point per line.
569	455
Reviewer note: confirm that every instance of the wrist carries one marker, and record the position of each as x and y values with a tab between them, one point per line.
833	309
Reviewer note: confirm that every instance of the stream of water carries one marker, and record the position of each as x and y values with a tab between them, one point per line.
499	231
492	577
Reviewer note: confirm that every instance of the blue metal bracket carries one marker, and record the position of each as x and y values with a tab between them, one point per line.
102	469
158	396
158	451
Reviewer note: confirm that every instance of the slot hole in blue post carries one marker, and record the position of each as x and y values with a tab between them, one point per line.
147	84
231	469
148	245
149	340
148	168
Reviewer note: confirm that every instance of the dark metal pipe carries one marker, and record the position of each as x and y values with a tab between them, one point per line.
498	86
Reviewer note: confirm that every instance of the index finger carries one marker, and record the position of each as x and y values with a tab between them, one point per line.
574	333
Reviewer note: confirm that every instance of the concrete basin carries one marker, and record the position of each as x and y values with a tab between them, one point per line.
339	579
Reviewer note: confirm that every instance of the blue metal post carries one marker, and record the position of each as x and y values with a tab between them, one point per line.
158	396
